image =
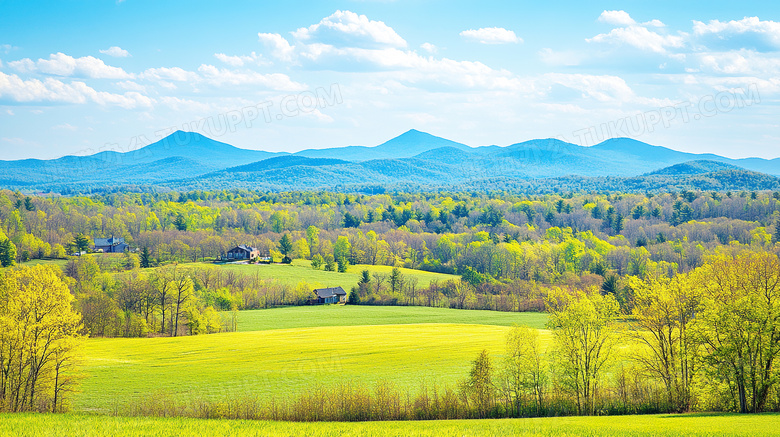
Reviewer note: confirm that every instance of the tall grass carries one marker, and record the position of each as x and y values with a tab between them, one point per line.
351	401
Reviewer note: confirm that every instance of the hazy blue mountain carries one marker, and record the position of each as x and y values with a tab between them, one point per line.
190	145
695	167
280	162
406	145
186	160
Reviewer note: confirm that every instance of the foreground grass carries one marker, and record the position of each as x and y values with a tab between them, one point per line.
300	270
278	363
350	315
69	425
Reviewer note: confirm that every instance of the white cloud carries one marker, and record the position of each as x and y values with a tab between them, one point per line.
491	35
600	88
60	64
280	47
749	32
6	48
739	62
428	47
129	85
175	74
348	29
116	52
179	105
564	58
52	90
237	61
641	38
221	77
617	18
25	65
65	126
623	19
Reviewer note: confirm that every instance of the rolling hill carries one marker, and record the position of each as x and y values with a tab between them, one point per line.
413	160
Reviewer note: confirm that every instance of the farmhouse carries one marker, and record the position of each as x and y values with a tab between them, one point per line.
110	245
329	295
242	252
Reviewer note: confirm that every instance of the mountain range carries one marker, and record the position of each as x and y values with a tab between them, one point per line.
412	160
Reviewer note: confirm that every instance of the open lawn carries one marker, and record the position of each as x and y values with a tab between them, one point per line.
351	315
279	362
71	425
300	270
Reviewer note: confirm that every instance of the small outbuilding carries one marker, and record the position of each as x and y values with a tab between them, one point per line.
329	295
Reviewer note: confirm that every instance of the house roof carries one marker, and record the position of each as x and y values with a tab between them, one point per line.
109	241
329	292
244	247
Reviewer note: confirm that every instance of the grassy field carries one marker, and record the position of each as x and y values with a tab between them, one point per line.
300	270
69	425
349	315
279	362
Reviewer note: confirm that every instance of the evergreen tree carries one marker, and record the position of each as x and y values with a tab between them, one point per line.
7	253
146	260
285	244
777	231
81	242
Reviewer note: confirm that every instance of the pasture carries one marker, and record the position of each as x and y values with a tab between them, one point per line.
301	270
285	350
280	362
351	315
693	425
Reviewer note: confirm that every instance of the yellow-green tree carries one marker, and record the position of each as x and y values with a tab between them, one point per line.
585	336
523	376
479	388
38	335
663	310
739	325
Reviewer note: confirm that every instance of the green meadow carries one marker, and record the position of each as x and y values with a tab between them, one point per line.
280	362
285	350
350	315
72	425
300	270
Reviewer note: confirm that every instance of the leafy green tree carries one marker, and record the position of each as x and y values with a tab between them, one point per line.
583	325
40	327
317	261
330	264
342	248
492	216
523	374
663	311
738	325
479	387
396	280
343	264
312	237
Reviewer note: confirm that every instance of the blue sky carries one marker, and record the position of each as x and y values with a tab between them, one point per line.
84	76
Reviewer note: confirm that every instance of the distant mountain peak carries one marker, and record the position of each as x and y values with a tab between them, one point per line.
415	142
